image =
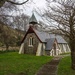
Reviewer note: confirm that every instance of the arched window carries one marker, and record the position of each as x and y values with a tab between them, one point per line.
31	41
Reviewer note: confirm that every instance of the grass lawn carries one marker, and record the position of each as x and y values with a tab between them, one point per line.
65	67
11	63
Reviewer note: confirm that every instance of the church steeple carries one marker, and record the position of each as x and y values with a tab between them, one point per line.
33	20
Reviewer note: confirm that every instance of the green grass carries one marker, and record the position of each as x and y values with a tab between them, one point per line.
12	63
65	67
65	53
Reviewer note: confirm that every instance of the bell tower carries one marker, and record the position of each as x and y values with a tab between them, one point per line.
33	21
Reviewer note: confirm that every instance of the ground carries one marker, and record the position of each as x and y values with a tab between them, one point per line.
12	63
50	68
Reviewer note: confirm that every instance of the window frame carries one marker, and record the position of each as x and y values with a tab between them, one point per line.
31	41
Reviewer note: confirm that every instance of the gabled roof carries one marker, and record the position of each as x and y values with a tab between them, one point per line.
50	43
33	19
59	38
30	30
42	36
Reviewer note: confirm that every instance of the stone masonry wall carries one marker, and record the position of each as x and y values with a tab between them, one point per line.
31	49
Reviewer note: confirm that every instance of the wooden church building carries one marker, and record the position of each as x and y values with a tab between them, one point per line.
42	43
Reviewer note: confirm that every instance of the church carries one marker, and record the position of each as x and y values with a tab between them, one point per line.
40	43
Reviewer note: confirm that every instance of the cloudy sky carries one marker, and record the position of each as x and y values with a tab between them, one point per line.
30	6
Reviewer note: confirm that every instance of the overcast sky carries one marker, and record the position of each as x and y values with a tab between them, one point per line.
29	7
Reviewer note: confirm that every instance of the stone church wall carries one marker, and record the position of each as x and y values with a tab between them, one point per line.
31	49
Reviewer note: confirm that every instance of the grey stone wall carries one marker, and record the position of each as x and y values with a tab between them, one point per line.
31	49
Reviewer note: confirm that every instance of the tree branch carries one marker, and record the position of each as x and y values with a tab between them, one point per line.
17	3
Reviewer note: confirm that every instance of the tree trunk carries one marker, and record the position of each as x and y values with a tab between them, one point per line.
72	46
7	46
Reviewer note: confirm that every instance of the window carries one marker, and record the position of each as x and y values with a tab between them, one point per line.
30	41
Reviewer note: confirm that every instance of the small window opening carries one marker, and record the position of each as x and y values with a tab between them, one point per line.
30	41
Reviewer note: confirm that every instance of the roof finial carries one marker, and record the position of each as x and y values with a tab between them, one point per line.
33	19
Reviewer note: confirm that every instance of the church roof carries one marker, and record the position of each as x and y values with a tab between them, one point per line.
33	19
42	36
49	43
59	38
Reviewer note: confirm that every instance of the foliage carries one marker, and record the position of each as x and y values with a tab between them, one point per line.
6	37
13	63
18	40
65	67
9	36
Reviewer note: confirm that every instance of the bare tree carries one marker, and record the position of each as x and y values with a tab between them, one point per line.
6	7
2	2
20	22
63	13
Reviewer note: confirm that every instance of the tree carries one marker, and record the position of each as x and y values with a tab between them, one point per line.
63	13
7	6
6	38
2	2
20	22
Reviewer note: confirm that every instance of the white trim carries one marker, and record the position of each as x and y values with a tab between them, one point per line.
38	53
21	51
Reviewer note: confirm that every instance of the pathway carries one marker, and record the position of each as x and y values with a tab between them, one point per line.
51	67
